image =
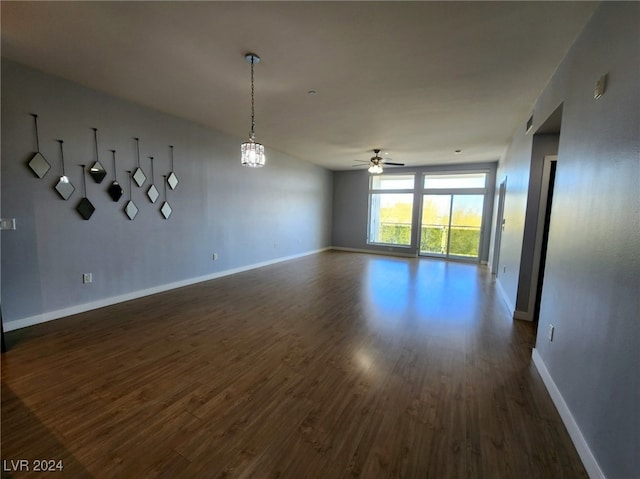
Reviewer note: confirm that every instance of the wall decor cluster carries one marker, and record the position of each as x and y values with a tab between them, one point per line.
85	208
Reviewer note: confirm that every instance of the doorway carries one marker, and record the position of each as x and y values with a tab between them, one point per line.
542	236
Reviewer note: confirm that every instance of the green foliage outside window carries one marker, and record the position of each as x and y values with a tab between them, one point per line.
395	234
464	241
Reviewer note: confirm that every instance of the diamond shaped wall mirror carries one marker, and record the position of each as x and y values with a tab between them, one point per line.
115	190
138	175
166	210
64	187
38	164
97	171
152	192
85	208
172	180
130	209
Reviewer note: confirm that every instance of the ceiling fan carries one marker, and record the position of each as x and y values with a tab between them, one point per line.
376	162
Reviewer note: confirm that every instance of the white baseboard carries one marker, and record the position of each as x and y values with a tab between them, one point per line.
588	460
81	308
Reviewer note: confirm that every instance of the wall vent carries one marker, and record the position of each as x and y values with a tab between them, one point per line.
529	124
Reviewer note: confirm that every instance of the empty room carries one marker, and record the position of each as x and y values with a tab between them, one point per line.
320	239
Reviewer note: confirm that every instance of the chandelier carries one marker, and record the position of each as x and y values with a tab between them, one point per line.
252	152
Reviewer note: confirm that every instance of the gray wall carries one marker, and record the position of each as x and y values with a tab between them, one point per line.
592	276
246	215
351	208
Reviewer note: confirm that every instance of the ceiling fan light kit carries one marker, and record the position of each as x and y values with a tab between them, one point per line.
252	153
376	163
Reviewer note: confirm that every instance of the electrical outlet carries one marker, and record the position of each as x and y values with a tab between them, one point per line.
87	278
7	223
551	330
215	256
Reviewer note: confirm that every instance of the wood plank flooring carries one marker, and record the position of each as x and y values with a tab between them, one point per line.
336	365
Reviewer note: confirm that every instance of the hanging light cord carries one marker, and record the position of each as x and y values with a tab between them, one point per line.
253	118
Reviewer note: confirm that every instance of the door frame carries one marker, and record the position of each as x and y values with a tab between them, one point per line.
497	238
540	233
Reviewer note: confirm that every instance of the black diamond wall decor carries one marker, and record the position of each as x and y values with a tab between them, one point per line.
85	208
115	190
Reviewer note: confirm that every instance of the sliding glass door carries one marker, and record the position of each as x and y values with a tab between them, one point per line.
451	225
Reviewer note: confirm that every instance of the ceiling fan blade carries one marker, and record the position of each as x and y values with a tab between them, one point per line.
393	164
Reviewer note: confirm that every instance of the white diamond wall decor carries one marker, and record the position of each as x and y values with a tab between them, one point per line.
97	171
138	175
38	164
130	209
152	192
115	190
64	187
172	180
85	208
166	210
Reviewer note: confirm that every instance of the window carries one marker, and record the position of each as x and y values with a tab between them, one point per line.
455	181
391	209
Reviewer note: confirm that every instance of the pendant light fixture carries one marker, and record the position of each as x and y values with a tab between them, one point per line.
252	152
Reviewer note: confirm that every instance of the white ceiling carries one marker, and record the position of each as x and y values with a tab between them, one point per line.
417	79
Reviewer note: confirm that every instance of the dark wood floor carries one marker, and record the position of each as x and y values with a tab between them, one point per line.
334	365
